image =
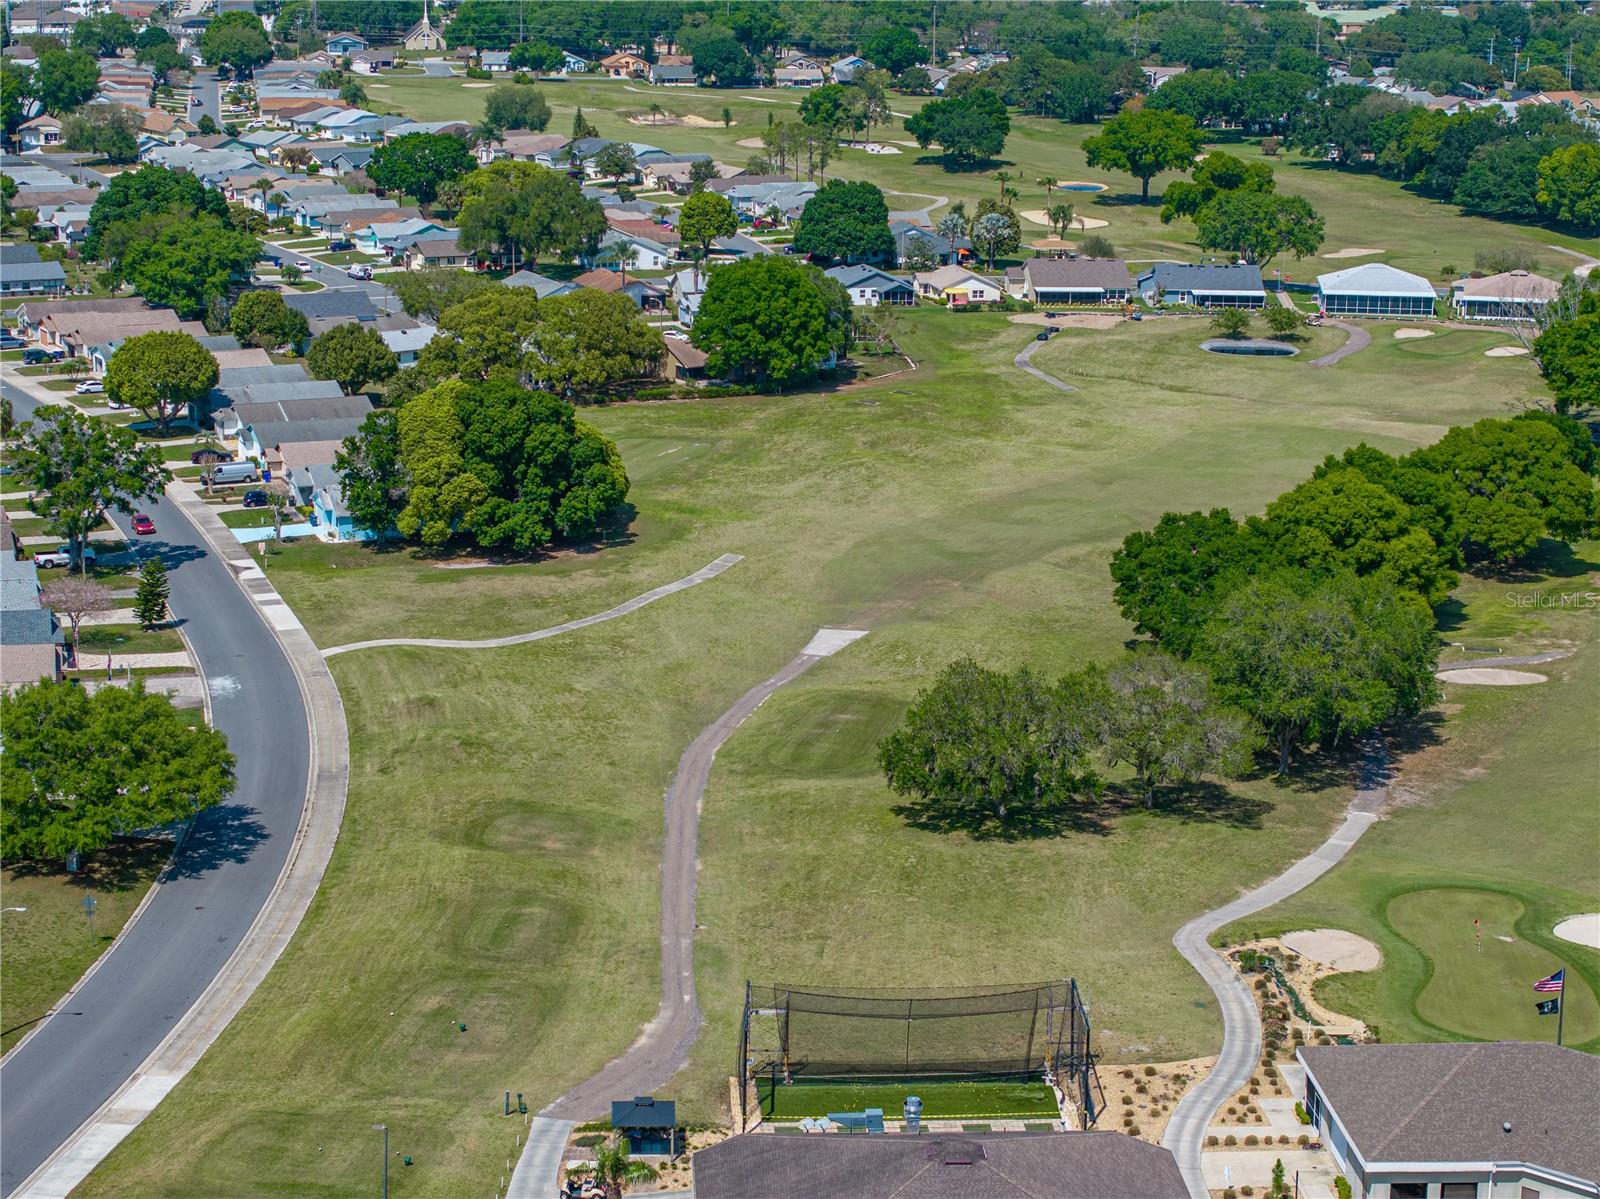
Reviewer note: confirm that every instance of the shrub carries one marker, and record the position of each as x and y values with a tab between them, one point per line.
1252	1140
1301	1114
1149	1071
1341	1186
1142	1089
1127	1074
1247	1189
1213	1142
478	73
1302	1140
1230	1139
1230	1193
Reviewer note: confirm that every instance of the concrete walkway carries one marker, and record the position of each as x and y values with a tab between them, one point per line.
1025	361
918	216
710	571
1358	340
1554	655
1241	1023
663	1046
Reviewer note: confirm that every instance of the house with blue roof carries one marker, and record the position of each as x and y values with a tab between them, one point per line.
1203	285
869	287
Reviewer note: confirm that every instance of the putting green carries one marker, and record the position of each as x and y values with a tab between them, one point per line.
1484	988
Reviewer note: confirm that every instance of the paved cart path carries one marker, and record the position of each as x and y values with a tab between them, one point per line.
1241	1023
663	1046
1025	361
709	571
1359	340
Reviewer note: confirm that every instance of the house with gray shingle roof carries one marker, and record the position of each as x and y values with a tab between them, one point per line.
1204	285
1442	1121
1076	280
23	274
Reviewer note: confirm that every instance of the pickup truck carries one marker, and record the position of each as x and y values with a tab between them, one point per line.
60	556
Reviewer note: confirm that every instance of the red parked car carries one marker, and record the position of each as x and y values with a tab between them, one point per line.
143	525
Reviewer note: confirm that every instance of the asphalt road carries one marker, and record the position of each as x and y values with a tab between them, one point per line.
333	278
205	86
212	892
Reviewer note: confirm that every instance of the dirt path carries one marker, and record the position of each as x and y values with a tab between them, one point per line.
663	1046
1359	340
709	571
1241	1023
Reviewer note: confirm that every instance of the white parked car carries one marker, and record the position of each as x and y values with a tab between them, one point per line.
306	266
89	387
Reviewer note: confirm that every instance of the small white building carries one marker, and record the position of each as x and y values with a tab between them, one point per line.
1375	289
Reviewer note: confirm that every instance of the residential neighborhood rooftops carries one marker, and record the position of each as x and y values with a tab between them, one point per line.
29	626
542	285
1375	279
339	302
1069	273
1465	1102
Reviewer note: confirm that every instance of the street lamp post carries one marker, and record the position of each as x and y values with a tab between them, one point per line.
384	1128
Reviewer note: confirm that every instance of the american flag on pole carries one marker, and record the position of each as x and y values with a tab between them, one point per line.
1553	983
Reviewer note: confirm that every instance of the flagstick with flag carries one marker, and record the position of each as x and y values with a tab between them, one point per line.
1557	983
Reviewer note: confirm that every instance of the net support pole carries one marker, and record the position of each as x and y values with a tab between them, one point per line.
744	1061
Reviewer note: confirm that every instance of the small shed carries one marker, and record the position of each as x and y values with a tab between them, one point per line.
651	1125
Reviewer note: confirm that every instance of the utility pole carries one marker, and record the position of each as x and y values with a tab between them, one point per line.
933	58
1492	35
1569	64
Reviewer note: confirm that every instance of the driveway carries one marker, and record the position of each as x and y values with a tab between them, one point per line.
74	1061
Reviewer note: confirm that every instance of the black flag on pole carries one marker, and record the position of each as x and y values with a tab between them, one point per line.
1549	1007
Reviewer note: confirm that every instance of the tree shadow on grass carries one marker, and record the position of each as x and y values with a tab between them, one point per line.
229	833
1204	802
118	867
1092	816
1552	558
1414	734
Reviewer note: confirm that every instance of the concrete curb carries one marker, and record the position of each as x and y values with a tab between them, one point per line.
327	782
1241	1024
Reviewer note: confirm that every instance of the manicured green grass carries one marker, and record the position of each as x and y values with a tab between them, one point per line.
941	1099
126	639
1498	820
305	243
306	285
346	257
498	860
251	518
49	946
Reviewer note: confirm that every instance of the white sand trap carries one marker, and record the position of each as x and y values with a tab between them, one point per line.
1037	216
1353	252
385	86
1505	352
1507	940
1581	930
750	143
1334	947
828	642
691	119
477	85
1408	334
1491	676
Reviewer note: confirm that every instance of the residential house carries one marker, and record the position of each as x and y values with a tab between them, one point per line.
32	316
759	199
79	332
798	77
36	648
1203	286
722	186
232	381
974	1165
342	224
325	309
327	208
335	159
738	247
342	44
673	174
407	343
794	60
543	286
1375	289
654	246
1156	76
496	62
1508	296
573	64
24	273
460	128
436	252
671	75
372	62
41	133
845	70
623	65
648	297
1076	280
683	362
260	428
1498	1120
957	286
868	286
321	489
391	237
521	145
910	239
688	288
70	222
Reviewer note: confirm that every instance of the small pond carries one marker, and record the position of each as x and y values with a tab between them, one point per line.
1256	347
1081	187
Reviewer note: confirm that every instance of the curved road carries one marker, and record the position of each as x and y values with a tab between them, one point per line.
663	1047
74	1061
1241	1023
1358	340
1024	360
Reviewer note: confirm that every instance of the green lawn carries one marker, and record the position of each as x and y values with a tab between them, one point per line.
498	860
1499	822
1365	211
941	1099
126	639
49	946
346	257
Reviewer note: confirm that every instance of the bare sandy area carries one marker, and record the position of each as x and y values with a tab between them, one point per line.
1491	676
1408	334
477	85
1037	216
385	86
1334	947
1581	930
750	143
1505	352
1352	252
692	120
1069	320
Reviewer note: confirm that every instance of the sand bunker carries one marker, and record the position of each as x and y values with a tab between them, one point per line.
750	143
1334	947
1352	252
1581	930
477	85
1505	352
1407	334
1491	676
1037	216
692	120
1069	320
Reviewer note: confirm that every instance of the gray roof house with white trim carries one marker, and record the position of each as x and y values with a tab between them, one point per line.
543	286
1375	289
869	287
1453	1121
22	272
1076	280
1204	285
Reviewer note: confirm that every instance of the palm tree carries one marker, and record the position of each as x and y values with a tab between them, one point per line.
1060	218
656	112
1049	183
1008	194
615	1171
1002	178
263	185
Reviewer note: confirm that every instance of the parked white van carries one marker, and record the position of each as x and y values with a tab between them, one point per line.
235	472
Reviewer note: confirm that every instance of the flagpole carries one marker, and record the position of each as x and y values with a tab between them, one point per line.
1561	1003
